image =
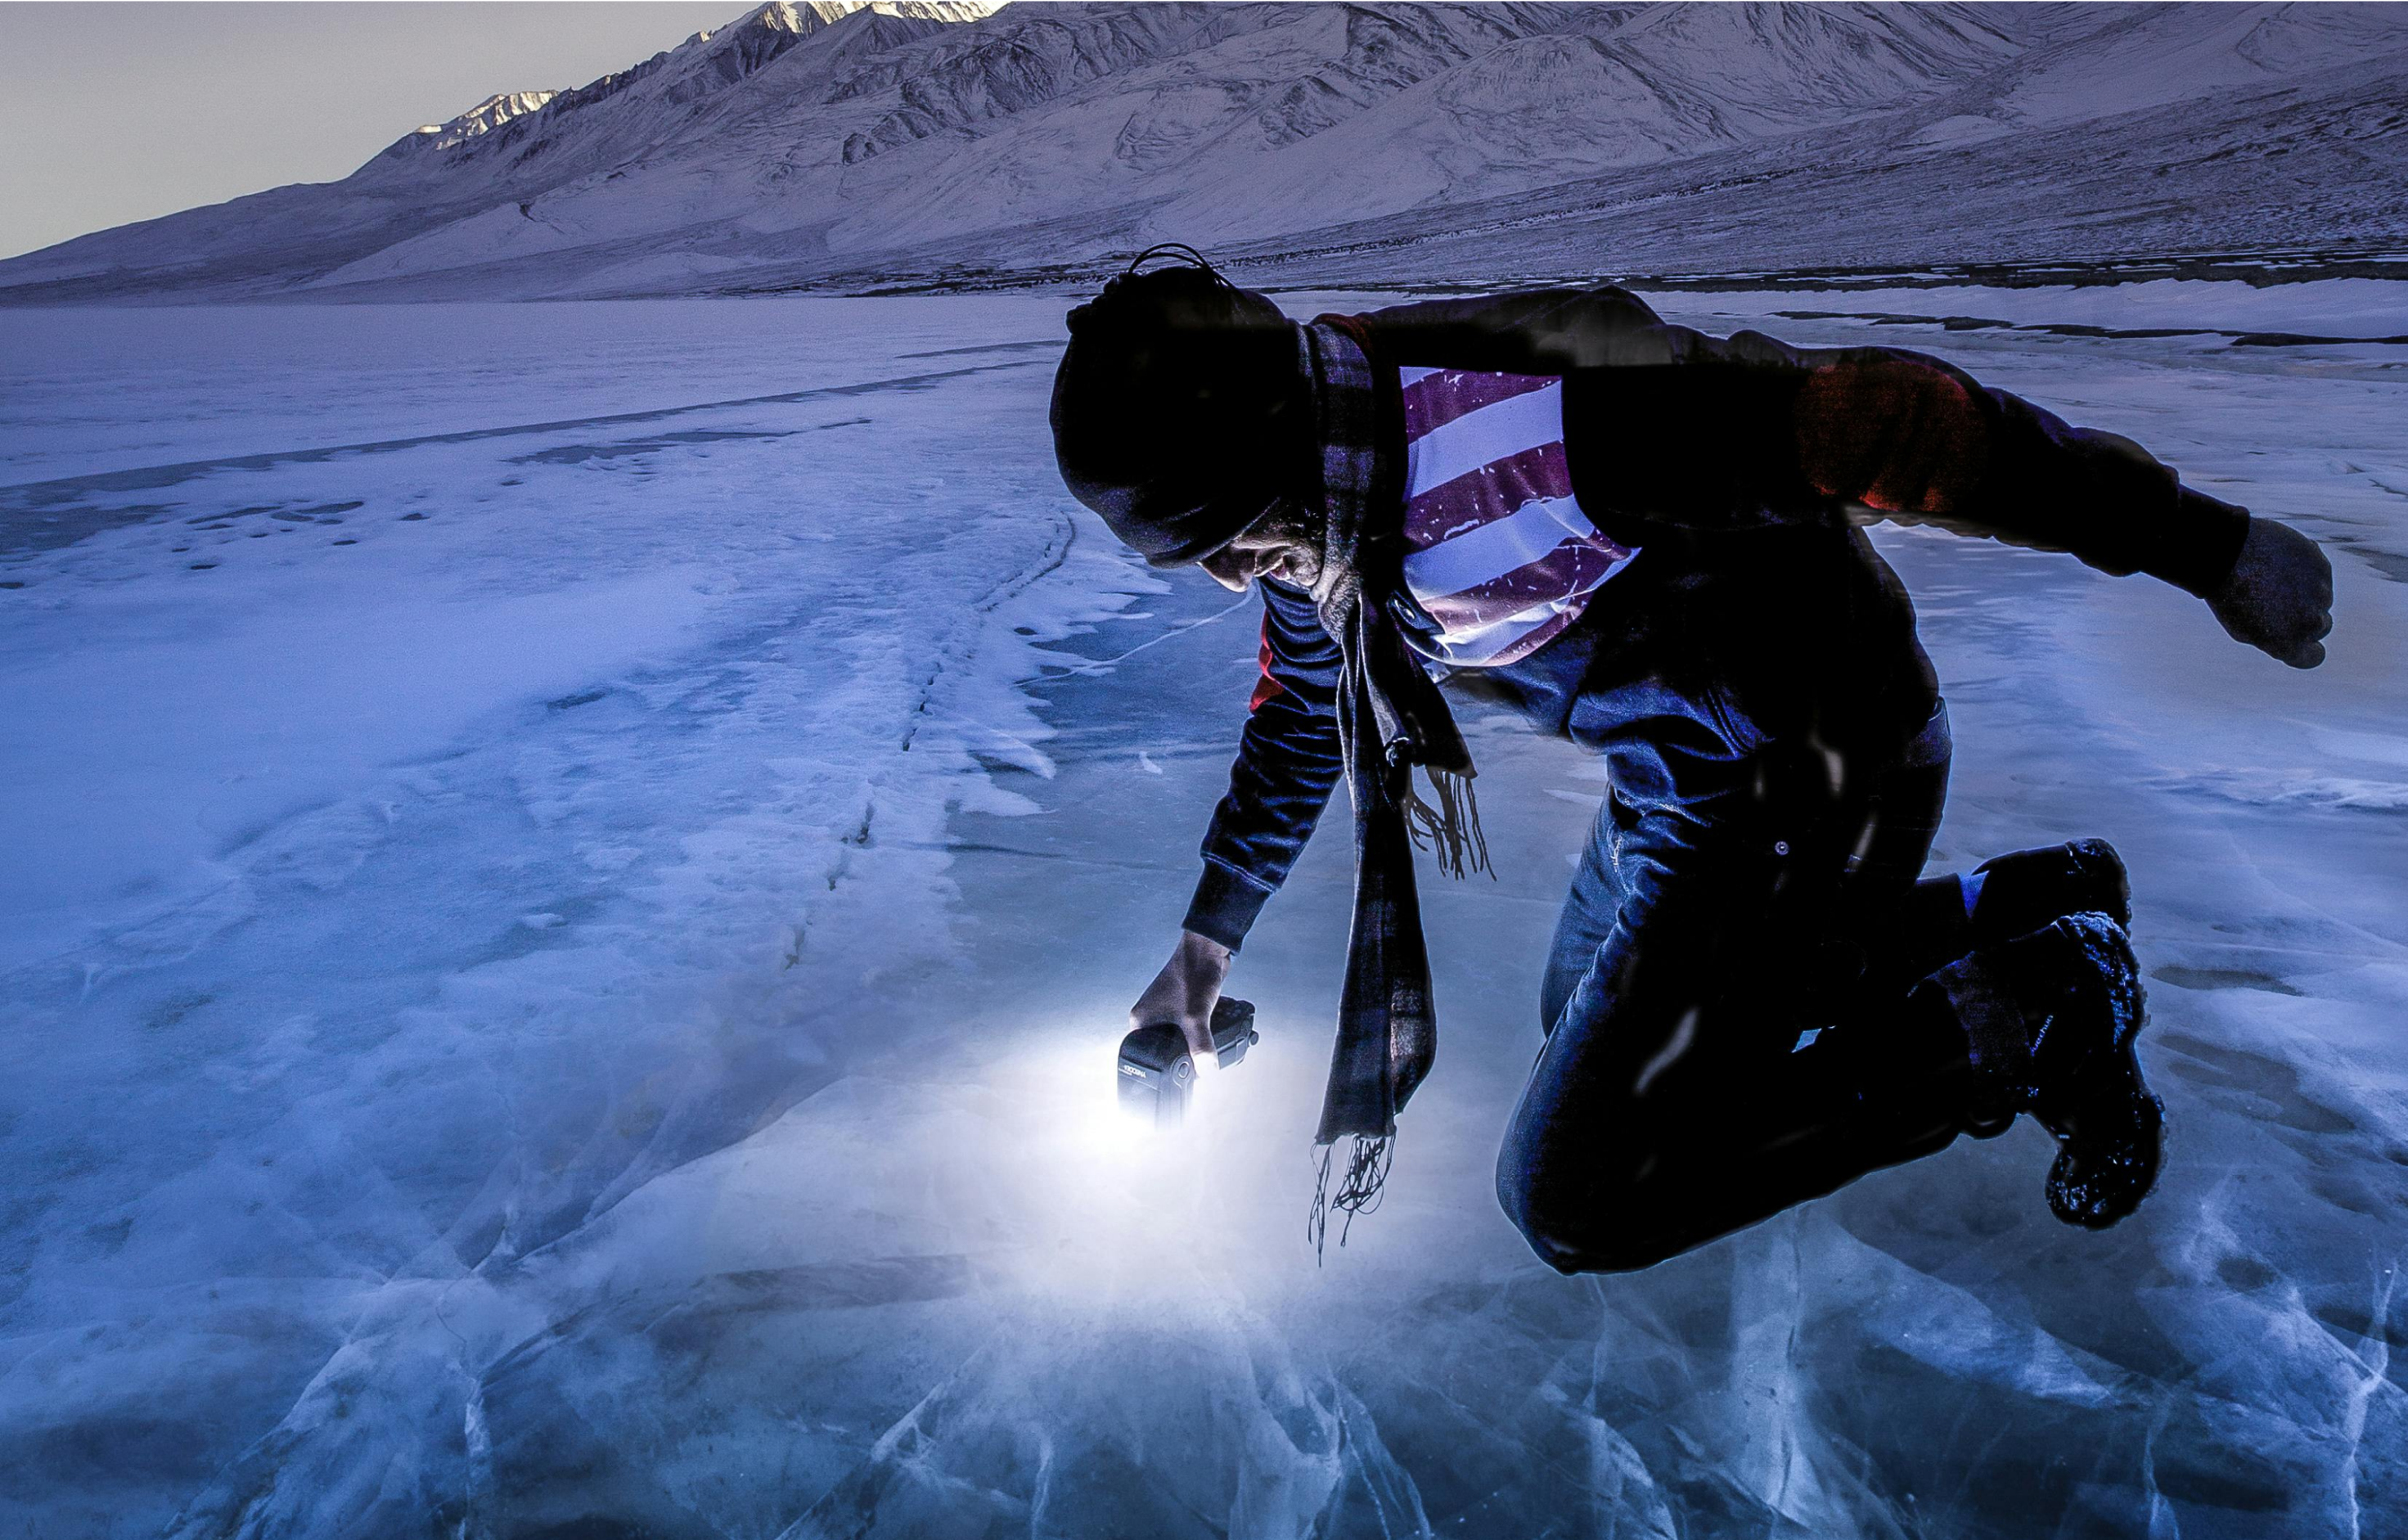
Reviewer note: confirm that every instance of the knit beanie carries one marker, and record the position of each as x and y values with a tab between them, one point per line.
1180	411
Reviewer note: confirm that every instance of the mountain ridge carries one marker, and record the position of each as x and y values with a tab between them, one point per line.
838	144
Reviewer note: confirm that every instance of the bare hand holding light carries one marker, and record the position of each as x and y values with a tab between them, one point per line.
1185	992
1181	1025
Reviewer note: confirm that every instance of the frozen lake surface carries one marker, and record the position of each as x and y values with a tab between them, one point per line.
572	874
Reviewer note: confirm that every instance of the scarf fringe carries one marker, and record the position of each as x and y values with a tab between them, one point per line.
1358	1189
1450	829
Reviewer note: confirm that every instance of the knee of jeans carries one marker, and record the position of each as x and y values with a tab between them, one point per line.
1594	1228
1518	1196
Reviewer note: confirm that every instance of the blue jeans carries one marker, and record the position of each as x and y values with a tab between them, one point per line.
1729	1028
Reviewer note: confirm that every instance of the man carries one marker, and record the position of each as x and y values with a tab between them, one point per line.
1647	540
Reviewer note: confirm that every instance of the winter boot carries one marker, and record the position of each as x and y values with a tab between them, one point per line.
2025	890
2051	1018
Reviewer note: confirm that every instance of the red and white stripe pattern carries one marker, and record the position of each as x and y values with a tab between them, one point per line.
1503	559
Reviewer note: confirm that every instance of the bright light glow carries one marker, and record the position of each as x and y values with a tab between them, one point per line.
1116	1207
1082	1090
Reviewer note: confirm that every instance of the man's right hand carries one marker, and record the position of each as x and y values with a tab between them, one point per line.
1185	992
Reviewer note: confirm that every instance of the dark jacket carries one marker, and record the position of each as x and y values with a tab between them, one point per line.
1738	461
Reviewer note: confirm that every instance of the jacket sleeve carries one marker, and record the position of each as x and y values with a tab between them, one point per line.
1288	760
1668	427
1916	439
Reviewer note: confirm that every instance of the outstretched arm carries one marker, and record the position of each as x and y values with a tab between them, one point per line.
1917	439
1748	431
1669	426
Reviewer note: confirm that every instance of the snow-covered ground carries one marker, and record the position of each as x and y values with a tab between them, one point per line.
572	874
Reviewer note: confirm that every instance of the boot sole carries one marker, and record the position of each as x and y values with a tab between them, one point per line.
2108	1164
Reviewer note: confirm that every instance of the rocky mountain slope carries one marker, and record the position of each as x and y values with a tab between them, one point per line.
935	142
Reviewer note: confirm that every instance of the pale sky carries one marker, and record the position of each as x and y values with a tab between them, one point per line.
115	112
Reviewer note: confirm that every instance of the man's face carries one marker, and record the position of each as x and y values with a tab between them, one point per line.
1271	550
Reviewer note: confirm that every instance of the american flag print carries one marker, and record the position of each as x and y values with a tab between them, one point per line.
1501	556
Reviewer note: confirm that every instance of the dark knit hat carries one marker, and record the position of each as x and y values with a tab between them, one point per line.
1180	408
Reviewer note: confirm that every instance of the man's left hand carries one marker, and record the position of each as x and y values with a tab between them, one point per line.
2279	596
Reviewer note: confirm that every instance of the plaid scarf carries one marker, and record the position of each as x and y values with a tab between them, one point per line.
1390	718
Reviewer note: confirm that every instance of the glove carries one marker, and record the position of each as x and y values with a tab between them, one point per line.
2278	596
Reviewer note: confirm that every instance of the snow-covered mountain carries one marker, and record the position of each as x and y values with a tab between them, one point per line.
483	118
945	141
